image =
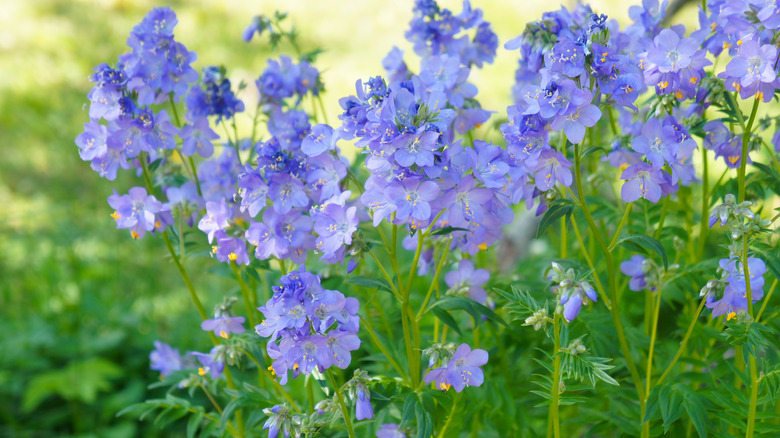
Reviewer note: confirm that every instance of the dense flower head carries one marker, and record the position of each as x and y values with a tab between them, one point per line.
309	327
461	370
284	79
435	30
165	359
572	292
213	97
139	212
734	288
419	171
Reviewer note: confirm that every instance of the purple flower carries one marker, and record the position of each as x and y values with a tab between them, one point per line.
286	192
253	191
230	249
574	298
655	142
390	431
335	226
213	363
319	140
138	212
416	148
636	269
216	218
363	409
412	197
461	371
466	202
671	53
469	279
224	325
165	359
551	167
106	156
643	180
197	137
574	124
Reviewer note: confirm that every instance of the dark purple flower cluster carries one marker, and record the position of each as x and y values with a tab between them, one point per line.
435	30
157	68
212	98
309	327
283	79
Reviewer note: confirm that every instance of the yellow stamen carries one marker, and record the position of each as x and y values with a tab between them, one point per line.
223	334
731	315
116	215
232	256
201	372
482	246
444	386
134	234
271	369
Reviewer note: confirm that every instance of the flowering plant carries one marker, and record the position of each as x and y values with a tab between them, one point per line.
350	272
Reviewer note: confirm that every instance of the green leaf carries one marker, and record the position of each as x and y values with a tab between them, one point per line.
193	424
410	407
632	241
446	318
696	412
555	211
447	230
670	400
586	368
473	308
371	283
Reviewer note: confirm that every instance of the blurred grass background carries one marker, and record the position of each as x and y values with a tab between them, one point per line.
80	302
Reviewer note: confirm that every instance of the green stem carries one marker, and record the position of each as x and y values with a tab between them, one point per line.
194	295
250	310
381	347
410	327
653	333
612	285
449	417
753	369
745	141
435	281
623	220
683	344
766	300
599	287
387	276
344	411
705	204
556	380
211	398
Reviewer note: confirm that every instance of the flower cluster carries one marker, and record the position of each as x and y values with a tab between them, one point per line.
212	98
734	287
139	212
435	30
309	327
572	292
460	370
156	70
284	79
420	175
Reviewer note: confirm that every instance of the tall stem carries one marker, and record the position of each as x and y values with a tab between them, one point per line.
746	130
683	344
649	376
612	283
250	310
344	411
556	380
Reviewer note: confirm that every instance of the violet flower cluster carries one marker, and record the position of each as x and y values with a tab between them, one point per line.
122	124
420	175
309	328
462	369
